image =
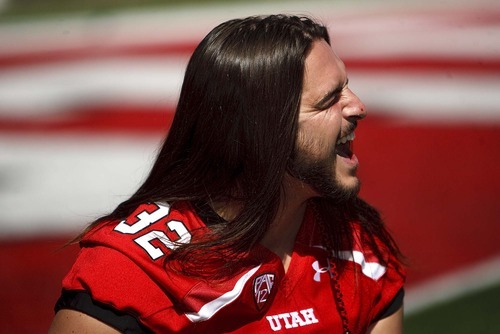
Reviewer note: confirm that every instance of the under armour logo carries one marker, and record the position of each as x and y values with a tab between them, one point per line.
262	287
320	270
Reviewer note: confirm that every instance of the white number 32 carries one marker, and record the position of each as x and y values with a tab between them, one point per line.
144	219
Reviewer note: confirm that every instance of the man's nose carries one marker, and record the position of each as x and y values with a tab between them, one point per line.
354	108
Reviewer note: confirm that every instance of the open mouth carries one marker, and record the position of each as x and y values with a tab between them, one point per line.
344	146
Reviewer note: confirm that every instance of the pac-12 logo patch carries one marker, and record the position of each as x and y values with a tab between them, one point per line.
262	287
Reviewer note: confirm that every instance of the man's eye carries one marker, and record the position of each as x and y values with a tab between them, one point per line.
332	101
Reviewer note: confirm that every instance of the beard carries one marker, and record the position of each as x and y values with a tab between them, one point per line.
320	175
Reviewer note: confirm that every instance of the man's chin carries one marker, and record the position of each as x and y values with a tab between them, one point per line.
342	192
353	186
318	175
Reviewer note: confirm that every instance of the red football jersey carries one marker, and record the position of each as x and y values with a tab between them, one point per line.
122	265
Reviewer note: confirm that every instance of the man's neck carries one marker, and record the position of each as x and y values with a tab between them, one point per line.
280	238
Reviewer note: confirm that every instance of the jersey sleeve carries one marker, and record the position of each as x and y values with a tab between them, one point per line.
115	281
82	301
122	266
372	287
384	278
393	307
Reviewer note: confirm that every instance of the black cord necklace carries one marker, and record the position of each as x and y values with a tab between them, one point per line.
339	301
337	293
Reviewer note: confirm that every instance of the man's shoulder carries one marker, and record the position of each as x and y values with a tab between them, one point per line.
152	229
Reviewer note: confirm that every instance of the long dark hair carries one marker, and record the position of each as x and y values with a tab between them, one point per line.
233	133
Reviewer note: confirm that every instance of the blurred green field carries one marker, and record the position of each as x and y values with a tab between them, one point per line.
21	9
477	313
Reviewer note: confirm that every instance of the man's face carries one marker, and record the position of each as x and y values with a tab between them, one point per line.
329	112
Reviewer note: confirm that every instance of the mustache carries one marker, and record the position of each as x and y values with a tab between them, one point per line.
350	127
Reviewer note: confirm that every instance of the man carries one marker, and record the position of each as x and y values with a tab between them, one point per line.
249	221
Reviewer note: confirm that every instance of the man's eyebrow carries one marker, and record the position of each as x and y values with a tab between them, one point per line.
331	95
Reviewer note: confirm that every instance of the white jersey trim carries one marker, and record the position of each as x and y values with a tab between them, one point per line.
211	308
373	270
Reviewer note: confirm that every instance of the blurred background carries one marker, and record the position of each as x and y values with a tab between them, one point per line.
88	90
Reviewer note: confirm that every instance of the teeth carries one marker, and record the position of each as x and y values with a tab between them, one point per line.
347	138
